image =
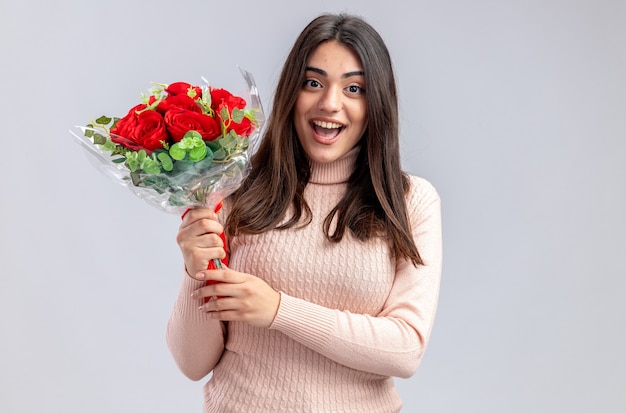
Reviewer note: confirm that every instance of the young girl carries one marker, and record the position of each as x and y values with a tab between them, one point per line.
334	253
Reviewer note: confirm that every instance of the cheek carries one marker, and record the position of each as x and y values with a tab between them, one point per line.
359	115
363	112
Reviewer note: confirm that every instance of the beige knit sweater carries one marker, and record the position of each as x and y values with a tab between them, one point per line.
349	319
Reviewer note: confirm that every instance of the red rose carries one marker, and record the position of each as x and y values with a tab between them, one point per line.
223	99
180	121
182	88
178	102
144	130
219	96
124	126
244	128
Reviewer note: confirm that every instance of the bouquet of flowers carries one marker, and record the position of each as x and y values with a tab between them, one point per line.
183	146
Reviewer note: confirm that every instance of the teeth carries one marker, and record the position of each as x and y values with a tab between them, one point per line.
326	125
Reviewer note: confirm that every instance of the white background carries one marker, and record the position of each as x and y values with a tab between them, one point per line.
514	110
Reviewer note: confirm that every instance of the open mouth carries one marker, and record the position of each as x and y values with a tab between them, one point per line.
327	130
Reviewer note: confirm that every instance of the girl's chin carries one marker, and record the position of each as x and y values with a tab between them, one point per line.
323	154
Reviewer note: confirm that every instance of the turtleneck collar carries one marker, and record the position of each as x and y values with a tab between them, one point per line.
334	172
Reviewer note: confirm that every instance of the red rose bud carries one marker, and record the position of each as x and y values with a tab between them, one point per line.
183	88
181	121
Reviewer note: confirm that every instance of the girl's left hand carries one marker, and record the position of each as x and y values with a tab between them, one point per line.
237	296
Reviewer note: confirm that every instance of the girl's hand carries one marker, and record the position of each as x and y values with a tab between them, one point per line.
237	296
198	239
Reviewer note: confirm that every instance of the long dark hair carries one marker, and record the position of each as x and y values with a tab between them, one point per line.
374	204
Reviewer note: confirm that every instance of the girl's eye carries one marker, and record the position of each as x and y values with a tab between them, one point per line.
312	83
355	89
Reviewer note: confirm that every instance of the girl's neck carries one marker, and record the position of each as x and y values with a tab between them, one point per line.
334	172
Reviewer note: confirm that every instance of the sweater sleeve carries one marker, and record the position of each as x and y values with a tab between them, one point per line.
391	343
195	341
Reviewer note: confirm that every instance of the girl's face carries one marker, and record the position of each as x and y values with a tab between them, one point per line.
330	112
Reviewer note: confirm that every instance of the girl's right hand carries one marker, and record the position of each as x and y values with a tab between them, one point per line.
199	240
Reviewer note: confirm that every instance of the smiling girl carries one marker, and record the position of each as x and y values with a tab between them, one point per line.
334	253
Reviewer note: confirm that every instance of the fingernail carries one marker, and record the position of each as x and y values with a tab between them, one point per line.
194	294
200	276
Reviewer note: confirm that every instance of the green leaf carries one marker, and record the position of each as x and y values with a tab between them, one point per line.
206	99
198	153
224	113
228	143
177	152
152	168
176	201
191	134
219	154
89	132
192	139
135	178
108	145
132	164
181	167
237	115
205	163
213	146
103	120
166	161
98	139
250	114
157	182
151	165
135	160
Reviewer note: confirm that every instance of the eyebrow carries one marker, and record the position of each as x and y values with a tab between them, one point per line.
344	76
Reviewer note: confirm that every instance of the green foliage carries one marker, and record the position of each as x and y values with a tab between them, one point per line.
191	147
229	145
224	114
198	153
99	139
177	152
103	120
166	161
134	160
89	131
237	115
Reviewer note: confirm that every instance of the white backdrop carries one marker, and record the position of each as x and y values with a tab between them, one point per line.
514	109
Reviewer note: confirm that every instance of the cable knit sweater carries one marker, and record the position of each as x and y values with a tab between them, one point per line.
349	319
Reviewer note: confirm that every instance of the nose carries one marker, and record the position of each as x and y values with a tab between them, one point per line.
330	100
